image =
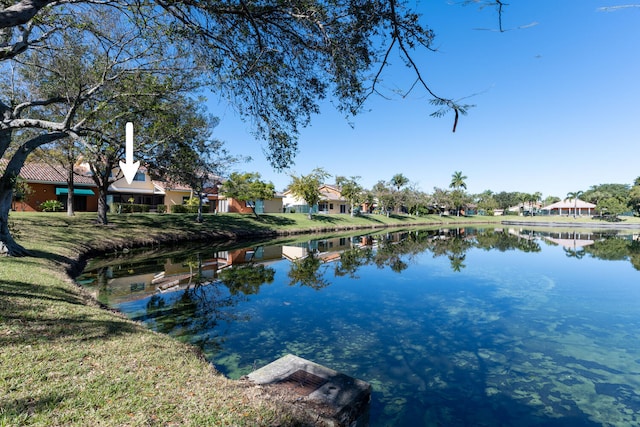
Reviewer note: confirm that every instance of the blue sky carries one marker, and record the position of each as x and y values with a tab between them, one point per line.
557	105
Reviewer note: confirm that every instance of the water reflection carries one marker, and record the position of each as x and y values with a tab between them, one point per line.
459	326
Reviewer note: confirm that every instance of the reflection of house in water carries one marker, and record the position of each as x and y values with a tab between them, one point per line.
129	282
570	239
326	250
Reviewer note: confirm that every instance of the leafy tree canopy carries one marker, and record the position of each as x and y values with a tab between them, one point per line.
248	187
307	187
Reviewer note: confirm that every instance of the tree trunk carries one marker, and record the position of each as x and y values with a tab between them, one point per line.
70	192
253	209
103	207
8	246
199	217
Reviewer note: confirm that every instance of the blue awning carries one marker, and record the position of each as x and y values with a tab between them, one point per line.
76	191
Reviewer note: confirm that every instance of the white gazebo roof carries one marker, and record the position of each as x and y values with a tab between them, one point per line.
570	204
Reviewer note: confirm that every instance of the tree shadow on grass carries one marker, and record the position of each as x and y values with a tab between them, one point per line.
401	217
47	313
328	219
275	220
15	289
60	259
371	218
19	409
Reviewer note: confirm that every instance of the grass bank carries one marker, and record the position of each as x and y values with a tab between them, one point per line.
65	361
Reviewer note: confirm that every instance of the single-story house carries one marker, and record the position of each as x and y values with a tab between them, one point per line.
225	204
570	207
48	182
331	201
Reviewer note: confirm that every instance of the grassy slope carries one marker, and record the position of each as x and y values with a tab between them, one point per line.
65	361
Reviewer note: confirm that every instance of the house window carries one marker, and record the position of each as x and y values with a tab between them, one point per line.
343	208
330	206
139	177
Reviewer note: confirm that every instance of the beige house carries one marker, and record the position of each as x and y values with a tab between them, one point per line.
144	190
331	201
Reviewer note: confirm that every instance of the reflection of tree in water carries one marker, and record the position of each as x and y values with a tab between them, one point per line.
396	250
246	279
525	241
611	248
393	246
453	244
307	272
351	260
204	304
634	254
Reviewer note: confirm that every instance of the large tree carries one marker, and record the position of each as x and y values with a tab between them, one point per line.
351	190
634	197
384	197
307	187
248	187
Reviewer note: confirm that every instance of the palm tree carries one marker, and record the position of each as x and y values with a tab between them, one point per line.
457	181
574	195
524	198
535	198
398	180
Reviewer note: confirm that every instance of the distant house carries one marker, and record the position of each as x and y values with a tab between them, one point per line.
223	204
49	182
568	206
525	208
331	201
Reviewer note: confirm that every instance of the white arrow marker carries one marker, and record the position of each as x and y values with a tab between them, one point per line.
128	167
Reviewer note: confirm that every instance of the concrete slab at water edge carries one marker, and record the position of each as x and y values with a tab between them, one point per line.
331	396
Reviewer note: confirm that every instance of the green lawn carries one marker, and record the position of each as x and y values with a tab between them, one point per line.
66	361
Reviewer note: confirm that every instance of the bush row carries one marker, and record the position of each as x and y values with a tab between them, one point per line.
129	208
184	209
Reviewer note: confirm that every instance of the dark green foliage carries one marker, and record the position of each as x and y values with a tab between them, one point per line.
184	209
130	208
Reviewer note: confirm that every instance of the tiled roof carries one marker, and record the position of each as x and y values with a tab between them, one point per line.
43	172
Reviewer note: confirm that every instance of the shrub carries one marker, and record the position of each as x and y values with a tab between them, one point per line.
161	209
51	206
130	208
178	209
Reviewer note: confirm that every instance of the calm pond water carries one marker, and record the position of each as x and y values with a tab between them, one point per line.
452	327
